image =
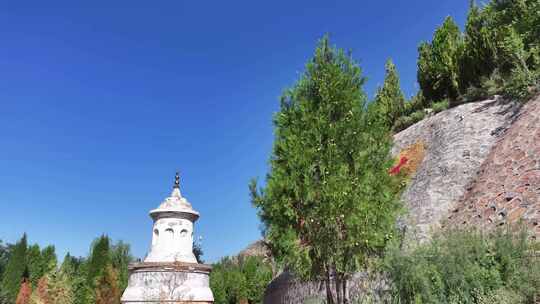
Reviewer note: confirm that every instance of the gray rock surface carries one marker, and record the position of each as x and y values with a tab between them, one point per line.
457	142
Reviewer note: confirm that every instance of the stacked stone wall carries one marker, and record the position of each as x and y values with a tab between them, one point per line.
507	189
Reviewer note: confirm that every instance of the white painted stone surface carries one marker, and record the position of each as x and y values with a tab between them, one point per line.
160	286
170	273
172	233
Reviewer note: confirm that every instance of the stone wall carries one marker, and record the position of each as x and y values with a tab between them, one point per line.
507	188
457	141
364	288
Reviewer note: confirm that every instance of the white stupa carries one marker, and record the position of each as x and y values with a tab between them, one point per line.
170	272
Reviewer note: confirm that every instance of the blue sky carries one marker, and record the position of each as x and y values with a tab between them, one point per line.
101	102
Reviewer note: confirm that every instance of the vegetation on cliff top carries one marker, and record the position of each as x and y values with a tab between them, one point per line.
498	53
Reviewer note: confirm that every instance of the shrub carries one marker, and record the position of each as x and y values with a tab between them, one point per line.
440	106
466	266
417	116
241	278
417	102
519	85
402	123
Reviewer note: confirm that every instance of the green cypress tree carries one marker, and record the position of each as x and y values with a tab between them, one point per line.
100	258
49	259
120	258
478	60
389	99
75	269
40	262
16	269
438	63
329	202
4	254
34	262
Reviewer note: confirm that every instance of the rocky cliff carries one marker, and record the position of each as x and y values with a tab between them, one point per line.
479	165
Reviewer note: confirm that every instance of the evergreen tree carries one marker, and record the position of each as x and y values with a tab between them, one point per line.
25	292
40	262
120	258
75	270
107	291
33	260
389	99
40	295
478	59
16	269
4	257
60	289
328	203
438	63
99	260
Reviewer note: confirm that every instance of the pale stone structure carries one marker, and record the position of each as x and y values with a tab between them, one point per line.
170	272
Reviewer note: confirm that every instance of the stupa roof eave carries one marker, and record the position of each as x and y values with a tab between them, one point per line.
174	210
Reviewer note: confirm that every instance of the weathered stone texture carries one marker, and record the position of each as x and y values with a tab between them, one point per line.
457	142
285	288
507	188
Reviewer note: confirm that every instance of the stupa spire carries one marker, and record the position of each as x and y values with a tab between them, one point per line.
176	186
177	180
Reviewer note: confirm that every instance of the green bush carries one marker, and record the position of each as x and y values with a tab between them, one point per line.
519	85
416	103
404	122
240	278
460	266
440	106
417	116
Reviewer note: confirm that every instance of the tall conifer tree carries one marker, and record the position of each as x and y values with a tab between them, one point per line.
15	270
328	203
389	99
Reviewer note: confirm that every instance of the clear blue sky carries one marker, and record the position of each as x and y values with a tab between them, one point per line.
101	102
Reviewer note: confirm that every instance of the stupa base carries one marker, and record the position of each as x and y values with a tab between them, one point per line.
178	283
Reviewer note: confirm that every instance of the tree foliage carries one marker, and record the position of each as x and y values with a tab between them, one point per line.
498	53
328	203
120	259
101	277
241	278
389	98
40	262
25	291
107	291
16	270
438	62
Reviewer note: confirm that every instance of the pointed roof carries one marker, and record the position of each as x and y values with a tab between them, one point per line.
175	203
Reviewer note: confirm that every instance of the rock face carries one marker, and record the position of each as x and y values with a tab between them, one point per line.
258	249
507	188
457	142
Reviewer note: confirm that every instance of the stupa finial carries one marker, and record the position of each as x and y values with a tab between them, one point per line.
177	181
